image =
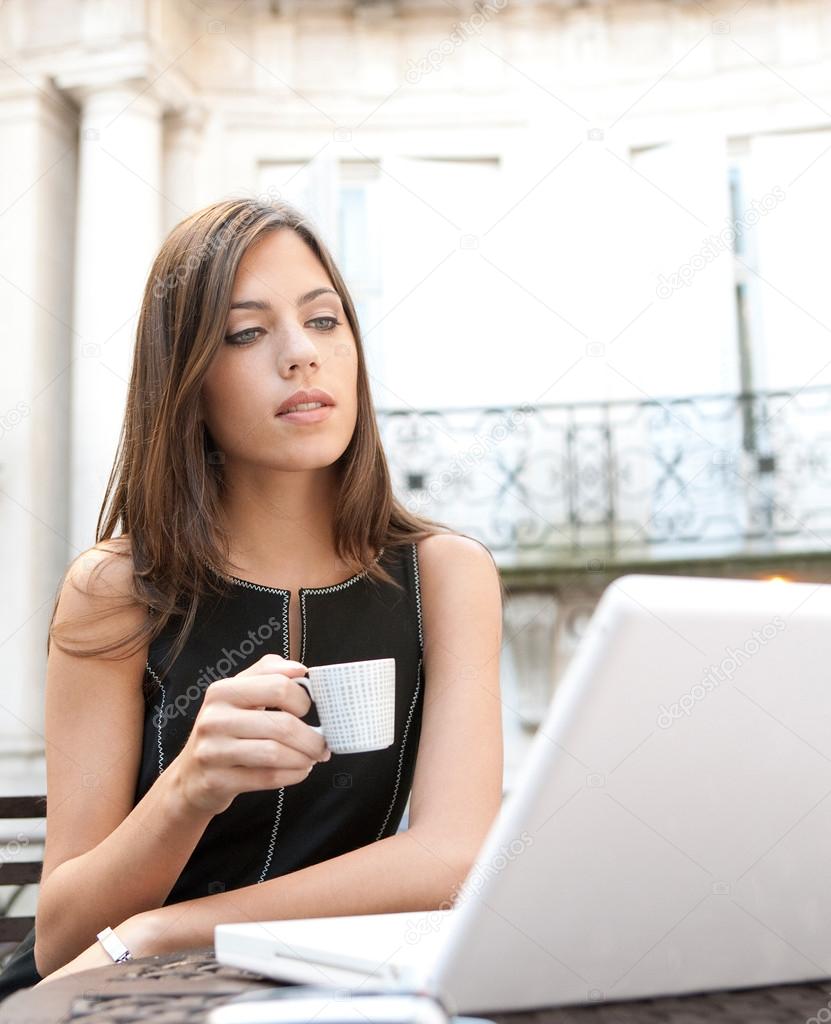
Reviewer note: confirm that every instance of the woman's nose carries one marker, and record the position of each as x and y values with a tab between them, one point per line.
297	350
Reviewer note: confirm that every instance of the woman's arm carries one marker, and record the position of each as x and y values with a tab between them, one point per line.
457	789
132	869
105	860
398	873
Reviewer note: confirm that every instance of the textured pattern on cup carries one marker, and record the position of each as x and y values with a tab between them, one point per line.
356	704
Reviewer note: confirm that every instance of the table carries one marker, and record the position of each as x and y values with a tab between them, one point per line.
180	988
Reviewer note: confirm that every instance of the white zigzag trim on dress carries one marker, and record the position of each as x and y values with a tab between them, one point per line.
325	590
273	839
286	595
161	710
280	590
415	695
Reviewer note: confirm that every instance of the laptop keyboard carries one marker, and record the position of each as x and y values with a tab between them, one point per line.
183	989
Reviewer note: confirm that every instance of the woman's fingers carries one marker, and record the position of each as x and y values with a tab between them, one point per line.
273	663
246	724
249	780
248	735
266	690
264	754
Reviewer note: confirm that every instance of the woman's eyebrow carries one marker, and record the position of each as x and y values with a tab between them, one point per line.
301	299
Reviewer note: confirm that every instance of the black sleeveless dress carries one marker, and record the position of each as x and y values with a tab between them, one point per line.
344	803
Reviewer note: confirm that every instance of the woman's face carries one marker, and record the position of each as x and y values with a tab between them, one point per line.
290	339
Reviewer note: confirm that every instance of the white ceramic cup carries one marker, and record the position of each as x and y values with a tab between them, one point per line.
355	702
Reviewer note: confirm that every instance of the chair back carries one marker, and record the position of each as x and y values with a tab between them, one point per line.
18	872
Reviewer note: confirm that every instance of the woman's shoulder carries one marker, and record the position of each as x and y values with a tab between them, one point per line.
98	582
462	597
97	602
450	556
458	547
105	569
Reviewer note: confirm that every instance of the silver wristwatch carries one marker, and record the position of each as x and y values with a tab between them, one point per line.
114	946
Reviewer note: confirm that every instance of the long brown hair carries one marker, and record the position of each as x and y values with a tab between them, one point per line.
164	489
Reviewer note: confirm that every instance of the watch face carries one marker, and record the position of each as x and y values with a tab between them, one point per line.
113	945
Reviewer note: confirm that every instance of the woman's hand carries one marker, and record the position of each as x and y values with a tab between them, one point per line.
137	935
237	744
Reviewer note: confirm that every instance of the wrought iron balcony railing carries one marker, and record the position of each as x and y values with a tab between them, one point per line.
688	477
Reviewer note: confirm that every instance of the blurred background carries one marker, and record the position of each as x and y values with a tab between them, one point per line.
585	241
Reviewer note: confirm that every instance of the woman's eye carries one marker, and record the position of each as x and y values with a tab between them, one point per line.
249	334
243	337
333	321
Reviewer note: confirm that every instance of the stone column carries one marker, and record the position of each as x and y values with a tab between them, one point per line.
530	620
183	186
119	230
37	188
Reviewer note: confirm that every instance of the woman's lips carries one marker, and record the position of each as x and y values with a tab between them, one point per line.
307	416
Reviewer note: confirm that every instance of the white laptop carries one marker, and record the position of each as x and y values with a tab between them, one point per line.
669	831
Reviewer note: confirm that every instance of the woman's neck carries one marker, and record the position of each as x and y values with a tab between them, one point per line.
281	524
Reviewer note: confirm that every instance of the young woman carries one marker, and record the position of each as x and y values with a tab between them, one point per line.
238	544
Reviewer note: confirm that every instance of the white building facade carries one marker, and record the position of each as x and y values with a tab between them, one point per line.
530	201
